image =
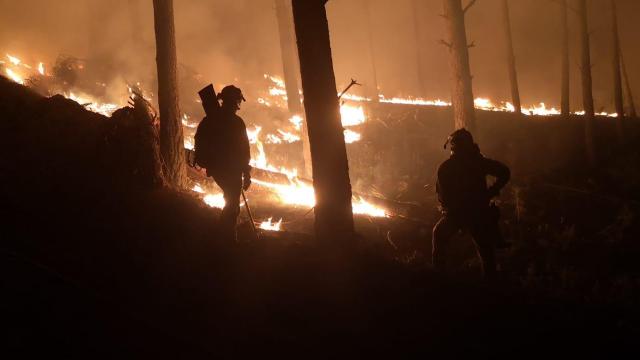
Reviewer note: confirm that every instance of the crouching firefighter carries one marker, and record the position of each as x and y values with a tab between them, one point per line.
222	148
466	201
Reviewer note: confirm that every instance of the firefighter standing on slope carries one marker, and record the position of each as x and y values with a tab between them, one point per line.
466	201
231	169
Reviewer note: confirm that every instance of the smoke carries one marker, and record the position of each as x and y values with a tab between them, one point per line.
236	41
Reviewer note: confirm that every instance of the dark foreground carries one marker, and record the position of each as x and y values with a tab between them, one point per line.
99	266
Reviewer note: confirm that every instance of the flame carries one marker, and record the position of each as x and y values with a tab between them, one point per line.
15	77
296	120
41	69
214	200
105	109
362	207
270	225
14	60
352	115
351	136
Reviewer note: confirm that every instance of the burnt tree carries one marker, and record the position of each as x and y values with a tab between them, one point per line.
632	104
511	58
615	67
587	82
565	93
171	137
290	69
373	90
288	51
333	212
416	6
462	91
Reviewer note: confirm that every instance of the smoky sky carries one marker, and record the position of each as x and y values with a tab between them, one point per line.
237	41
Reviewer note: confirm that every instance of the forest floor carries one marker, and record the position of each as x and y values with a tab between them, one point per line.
96	267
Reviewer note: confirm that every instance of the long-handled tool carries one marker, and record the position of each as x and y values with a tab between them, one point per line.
246	204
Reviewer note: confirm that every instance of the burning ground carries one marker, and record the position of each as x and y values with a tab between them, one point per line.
93	241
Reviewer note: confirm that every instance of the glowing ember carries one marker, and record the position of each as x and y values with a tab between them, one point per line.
197	188
270	225
351	136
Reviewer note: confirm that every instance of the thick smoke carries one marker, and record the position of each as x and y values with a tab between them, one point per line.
237	41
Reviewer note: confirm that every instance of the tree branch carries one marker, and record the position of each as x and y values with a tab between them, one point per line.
469	5
473	44
442	42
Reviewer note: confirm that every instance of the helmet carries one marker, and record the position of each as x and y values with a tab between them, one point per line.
231	93
460	139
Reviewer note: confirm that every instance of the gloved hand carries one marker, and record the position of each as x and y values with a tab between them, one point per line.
246	181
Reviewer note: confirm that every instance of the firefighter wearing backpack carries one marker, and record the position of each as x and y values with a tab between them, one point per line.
224	152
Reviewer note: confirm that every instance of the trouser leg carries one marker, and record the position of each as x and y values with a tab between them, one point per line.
485	247
442	233
232	187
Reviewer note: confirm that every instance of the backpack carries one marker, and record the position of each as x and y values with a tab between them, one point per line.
205	148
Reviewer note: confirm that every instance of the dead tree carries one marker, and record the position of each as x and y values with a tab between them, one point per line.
511	58
288	51
632	104
290	69
374	89
419	60
462	90
333	212
171	137
587	82
615	67
565	102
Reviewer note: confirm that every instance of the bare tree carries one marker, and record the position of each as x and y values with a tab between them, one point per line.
462	91
290	69
416	6
511	58
333	212
288	51
374	88
632	104
564	17
171	137
587	82
615	67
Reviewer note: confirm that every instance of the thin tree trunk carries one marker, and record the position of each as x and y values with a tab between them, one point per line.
171	137
587	83
565	102
511	58
288	50
290	68
333	212
615	67
422	88
374	89
462	91
632	104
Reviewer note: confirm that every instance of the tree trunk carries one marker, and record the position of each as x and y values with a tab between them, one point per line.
171	137
373	91
290	68
632	104
462	91
565	102
615	67
511	58
333	212
288	50
587	83
422	88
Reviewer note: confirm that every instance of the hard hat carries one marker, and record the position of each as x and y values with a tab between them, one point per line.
231	93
